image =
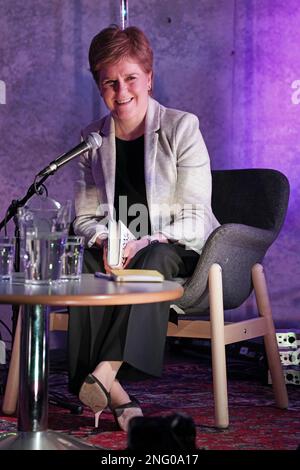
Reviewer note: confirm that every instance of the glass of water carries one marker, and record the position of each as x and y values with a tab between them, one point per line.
71	265
7	255
42	257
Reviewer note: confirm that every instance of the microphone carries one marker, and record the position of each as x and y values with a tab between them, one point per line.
92	142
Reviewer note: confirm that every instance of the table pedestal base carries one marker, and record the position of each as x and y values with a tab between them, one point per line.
43	440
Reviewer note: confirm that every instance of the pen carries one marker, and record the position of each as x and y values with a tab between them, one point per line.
108	277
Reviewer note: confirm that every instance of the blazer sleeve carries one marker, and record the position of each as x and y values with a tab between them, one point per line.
193	219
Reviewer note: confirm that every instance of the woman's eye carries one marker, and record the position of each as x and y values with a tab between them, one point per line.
131	78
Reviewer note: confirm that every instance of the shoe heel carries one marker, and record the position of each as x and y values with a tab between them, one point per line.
97	416
94	395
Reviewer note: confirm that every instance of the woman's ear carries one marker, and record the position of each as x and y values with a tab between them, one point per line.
150	82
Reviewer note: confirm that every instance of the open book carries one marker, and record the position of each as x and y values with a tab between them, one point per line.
118	237
136	275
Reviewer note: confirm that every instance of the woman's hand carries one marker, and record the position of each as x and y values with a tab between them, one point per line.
103	243
106	265
132	248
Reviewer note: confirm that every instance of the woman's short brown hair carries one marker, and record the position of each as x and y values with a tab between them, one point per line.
113	43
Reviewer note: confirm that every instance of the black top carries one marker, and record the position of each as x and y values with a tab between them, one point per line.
130	183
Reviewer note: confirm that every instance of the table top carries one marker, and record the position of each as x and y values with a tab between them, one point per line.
89	290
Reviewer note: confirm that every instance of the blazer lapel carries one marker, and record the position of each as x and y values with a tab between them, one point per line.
108	160
152	124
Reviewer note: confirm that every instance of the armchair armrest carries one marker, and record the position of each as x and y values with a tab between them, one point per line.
236	248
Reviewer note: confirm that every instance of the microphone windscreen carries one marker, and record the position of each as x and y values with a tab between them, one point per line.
94	140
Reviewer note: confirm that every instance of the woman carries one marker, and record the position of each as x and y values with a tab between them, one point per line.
154	159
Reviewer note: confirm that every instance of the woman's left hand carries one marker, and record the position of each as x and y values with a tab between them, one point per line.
132	248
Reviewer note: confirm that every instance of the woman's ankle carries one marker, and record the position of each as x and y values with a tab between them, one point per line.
106	373
118	394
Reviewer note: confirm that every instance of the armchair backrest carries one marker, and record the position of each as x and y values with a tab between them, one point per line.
254	197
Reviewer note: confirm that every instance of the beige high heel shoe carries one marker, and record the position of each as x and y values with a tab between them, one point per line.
94	395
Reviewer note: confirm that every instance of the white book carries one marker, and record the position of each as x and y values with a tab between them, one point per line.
118	237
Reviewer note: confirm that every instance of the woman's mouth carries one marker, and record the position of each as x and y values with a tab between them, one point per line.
122	102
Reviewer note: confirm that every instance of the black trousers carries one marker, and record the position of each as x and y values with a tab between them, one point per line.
134	334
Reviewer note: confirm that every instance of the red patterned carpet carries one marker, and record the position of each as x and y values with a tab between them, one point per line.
186	387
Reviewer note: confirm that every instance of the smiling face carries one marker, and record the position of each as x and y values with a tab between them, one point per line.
125	87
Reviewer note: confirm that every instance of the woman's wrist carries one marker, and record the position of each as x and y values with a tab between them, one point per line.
155	238
100	241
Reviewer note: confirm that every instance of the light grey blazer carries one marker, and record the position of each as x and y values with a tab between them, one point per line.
177	178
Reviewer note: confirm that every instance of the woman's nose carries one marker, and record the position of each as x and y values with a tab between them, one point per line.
120	86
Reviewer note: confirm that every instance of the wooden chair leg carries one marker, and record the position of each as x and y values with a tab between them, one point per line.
12	385
218	346
274	362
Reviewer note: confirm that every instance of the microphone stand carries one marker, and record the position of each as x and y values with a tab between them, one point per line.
37	187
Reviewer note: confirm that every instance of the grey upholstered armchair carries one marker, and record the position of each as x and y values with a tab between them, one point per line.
251	207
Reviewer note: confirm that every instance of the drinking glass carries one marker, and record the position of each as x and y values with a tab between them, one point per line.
71	264
7	255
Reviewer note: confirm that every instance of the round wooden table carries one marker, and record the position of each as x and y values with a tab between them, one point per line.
33	430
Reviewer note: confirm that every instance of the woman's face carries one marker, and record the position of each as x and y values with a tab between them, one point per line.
125	86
